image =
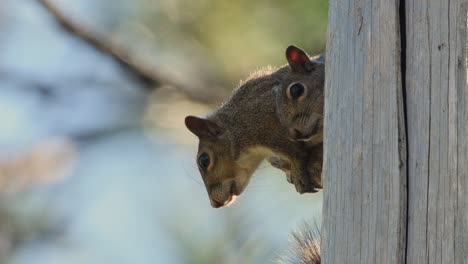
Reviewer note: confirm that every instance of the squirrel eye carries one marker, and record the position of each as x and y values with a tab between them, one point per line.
204	160
296	90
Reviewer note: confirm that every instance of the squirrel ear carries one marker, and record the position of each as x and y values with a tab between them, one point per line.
203	128
298	60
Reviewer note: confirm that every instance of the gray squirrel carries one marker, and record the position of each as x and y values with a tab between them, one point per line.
300	107
275	115
265	118
300	103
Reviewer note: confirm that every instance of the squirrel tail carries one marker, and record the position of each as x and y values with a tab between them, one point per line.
305	248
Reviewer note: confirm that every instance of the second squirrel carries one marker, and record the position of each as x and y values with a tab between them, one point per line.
300	107
300	102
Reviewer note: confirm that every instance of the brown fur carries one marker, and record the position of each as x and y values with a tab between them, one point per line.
304	117
246	130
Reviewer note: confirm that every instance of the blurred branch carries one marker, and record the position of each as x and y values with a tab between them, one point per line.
150	77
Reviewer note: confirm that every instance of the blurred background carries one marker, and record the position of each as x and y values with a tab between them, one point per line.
96	165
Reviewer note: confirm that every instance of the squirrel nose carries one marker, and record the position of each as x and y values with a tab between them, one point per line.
216	204
295	134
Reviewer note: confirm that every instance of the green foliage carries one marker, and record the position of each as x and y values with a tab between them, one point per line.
243	35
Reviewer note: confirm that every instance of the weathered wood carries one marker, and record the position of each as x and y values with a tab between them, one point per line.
383	202
365	150
437	115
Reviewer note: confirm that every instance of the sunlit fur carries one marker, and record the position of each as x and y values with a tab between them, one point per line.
224	170
305	248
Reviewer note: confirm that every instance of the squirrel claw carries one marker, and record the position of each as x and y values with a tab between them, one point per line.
289	178
307	187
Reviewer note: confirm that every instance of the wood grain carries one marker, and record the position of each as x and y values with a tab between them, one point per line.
437	117
396	153
365	147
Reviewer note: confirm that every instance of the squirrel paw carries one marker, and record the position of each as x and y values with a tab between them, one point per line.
306	187
289	178
307	184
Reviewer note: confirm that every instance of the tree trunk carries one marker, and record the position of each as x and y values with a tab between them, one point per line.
396	132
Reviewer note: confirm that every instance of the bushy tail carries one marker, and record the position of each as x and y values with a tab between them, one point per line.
305	248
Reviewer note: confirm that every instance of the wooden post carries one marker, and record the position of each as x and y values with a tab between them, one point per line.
437	115
396	132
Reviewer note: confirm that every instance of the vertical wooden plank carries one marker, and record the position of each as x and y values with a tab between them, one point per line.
365	150
436	92
459	84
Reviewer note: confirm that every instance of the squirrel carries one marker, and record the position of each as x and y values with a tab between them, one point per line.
300	107
251	127
300	104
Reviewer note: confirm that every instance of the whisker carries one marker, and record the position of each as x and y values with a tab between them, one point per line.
192	177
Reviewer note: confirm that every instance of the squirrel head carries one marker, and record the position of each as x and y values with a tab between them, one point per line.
224	179
300	98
